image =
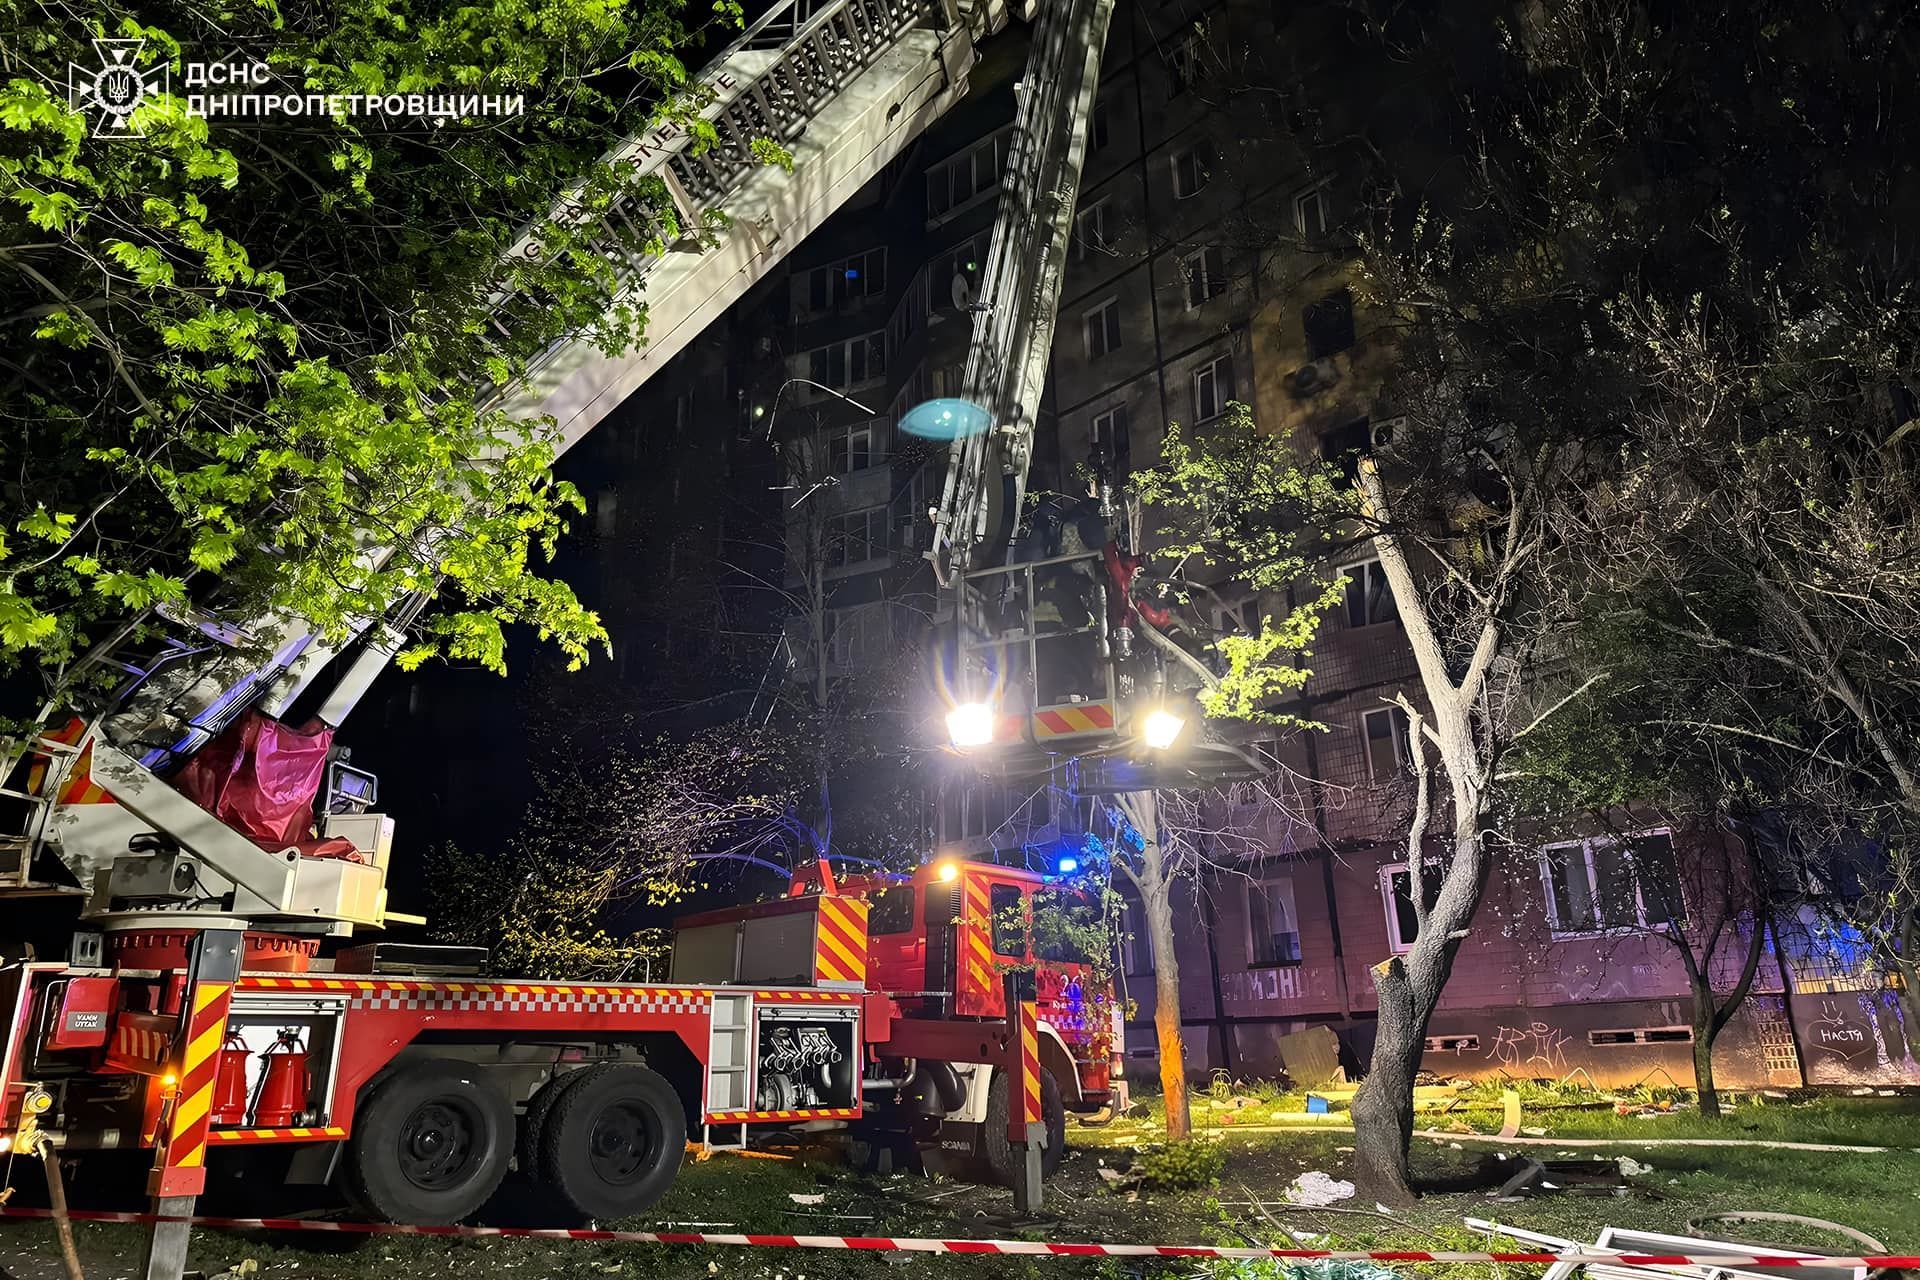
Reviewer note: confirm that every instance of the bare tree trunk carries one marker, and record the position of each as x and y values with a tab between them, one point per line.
1383	1109
1409	986
1408	989
1156	900
1907	964
1704	1033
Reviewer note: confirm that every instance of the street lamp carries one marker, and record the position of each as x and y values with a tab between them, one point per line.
818	386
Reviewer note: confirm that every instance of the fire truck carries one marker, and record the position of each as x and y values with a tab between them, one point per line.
220	1000
941	943
412	1094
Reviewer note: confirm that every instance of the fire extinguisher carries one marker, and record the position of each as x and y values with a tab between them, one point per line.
230	1084
284	1086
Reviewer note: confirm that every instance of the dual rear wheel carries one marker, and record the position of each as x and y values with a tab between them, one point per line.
432	1142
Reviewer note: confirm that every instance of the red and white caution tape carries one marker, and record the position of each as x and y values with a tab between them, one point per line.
1029	1248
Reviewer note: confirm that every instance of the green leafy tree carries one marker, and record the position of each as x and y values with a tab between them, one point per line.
237	357
626	826
1623	758
1200	488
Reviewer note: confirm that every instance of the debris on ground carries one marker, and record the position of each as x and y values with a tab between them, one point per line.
797	1198
1312	1057
1583	1177
1631	1168
1316	1188
1328	1269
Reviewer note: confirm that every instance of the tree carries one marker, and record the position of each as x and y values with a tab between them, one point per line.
1623	759
1172	835
1467	535
1559	211
1771	332
241	355
627	825
1795	577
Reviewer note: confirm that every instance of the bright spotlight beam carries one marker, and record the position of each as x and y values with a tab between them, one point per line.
1161	728
970	724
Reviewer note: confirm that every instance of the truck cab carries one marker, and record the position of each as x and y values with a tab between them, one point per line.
942	940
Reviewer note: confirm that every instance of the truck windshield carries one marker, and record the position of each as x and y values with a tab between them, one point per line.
892	910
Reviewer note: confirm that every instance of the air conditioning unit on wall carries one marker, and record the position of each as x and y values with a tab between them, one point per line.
1381	434
1312	379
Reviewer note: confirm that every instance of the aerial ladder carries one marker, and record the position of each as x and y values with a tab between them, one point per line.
845	86
1058	662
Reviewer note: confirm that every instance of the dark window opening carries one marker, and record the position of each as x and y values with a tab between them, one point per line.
1389	748
1369	597
1641	1035
1345	446
892	910
1111	441
1329	325
1451	1044
1404	922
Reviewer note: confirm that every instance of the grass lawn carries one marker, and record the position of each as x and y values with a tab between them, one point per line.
1850	1121
1879	1194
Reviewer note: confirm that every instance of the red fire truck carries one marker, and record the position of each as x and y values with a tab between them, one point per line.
410	1089
940	943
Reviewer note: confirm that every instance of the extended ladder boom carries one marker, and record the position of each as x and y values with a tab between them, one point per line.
1020	288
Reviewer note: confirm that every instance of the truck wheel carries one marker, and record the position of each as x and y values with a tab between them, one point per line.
1000	1152
612	1144
539	1107
430	1145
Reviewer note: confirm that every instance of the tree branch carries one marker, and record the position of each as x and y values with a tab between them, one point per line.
1540	719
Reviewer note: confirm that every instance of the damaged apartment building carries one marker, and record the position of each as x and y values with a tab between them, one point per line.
1203	270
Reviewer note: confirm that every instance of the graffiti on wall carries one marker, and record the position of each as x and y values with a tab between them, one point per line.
1538	1044
1253	986
1859	1037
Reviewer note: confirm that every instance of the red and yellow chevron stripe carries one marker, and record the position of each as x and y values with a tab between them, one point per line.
183	1171
977	970
141	1042
840	941
79	787
749	1117
1030	1109
309	1133
1072	718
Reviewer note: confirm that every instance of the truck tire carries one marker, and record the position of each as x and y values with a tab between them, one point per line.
539	1107
611	1145
430	1144
1000	1152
